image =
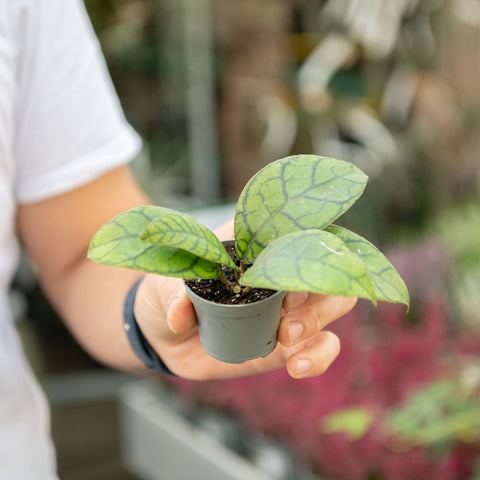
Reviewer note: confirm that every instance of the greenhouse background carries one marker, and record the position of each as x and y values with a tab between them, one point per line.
218	89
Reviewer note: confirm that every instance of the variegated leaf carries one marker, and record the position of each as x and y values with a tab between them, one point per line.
182	231
294	193
118	243
389	285
312	261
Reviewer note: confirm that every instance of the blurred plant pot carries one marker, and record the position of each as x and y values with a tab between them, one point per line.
237	333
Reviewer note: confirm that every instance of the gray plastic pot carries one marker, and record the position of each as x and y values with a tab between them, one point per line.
237	333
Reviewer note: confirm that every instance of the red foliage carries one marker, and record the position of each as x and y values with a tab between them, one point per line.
384	359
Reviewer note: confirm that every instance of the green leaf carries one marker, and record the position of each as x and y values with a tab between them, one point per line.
312	261
118	244
295	193
389	285
180	230
354	422
437	412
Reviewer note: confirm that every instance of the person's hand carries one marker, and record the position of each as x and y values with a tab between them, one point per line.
309	349
167	319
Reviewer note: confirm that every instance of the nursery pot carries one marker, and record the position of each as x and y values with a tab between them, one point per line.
237	333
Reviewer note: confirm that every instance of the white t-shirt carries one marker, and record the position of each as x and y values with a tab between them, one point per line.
60	126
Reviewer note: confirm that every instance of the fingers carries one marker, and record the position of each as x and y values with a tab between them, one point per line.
225	232
309	349
315	356
298	300
295	300
315	313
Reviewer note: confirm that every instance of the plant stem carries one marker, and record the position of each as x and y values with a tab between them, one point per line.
225	280
243	268
234	287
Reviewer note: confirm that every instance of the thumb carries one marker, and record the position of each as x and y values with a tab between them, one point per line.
162	308
181	314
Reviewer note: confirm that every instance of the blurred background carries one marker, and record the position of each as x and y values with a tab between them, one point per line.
219	89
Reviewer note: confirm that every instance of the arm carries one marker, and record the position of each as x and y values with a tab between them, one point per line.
90	297
55	234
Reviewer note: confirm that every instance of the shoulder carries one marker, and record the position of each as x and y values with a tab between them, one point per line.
69	123
37	21
39	32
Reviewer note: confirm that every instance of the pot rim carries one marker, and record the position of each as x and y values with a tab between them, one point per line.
230	306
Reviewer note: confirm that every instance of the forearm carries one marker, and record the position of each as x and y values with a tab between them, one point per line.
90	299
88	296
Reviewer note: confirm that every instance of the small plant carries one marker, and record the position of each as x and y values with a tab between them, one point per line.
285	238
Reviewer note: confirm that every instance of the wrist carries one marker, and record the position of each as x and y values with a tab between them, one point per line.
137	340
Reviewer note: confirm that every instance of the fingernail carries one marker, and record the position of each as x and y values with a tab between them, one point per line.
295	299
295	331
303	366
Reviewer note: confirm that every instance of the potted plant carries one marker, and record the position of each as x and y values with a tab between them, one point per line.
285	239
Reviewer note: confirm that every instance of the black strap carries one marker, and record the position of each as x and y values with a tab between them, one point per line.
138	342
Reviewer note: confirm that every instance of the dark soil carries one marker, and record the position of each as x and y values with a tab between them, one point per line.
215	290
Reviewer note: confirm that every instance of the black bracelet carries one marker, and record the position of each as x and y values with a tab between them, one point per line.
138	342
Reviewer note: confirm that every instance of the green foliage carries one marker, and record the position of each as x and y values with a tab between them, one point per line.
283	232
119	243
354	422
295	193
437	413
310	260
182	231
387	283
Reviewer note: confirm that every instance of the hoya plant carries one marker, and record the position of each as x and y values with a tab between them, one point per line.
285	238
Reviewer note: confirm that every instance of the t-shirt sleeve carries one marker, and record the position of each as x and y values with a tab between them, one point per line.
70	128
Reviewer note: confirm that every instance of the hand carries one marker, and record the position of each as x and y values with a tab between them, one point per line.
167	319
304	348
308	348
